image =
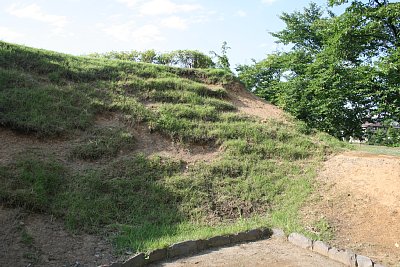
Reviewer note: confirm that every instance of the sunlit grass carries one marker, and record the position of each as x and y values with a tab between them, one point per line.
383	150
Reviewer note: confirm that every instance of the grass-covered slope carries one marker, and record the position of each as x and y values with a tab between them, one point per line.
263	174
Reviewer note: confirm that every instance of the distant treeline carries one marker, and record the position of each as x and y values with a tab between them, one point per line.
177	58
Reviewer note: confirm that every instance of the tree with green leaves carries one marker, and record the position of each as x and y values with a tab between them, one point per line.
222	59
340	71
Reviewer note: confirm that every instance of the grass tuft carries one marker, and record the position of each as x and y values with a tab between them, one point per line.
103	143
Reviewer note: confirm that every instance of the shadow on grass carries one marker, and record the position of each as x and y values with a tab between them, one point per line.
128	195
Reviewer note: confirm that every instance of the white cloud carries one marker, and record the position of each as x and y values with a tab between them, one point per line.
121	32
160	7
268	2
169	16
241	13
205	17
174	22
6	34
35	12
129	3
129	32
115	17
148	34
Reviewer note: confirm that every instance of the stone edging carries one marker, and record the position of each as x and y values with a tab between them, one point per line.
345	256
185	248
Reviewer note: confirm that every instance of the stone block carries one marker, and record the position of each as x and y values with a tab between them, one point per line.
363	261
321	248
219	241
346	257
182	248
136	261
300	241
278	233
157	255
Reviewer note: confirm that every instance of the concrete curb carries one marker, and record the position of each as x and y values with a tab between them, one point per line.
344	256
185	248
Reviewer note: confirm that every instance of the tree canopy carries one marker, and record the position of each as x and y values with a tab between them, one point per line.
340	71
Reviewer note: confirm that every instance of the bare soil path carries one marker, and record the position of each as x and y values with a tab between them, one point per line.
274	252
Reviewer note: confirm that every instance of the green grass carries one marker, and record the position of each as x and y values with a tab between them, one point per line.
26	238
62	67
380	150
154	236
46	110
103	143
51	94
34	183
263	175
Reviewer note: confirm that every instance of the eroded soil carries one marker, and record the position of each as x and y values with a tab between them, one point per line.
41	240
359	195
250	104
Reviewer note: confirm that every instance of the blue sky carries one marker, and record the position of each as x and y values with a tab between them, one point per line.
85	26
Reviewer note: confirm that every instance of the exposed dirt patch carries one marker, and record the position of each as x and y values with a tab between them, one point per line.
252	105
13	143
147	142
359	195
40	240
13	252
151	143
271	252
155	143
